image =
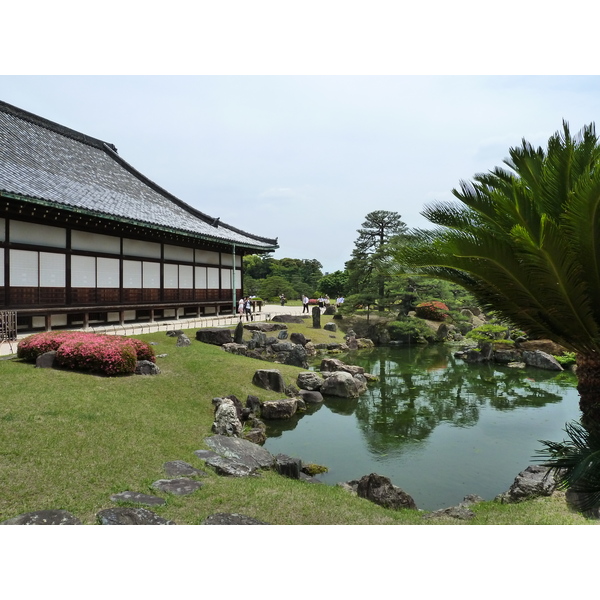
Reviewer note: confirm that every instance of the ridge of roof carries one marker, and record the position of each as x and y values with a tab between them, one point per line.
53	126
111	151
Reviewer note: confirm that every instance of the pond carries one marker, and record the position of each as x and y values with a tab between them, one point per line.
438	427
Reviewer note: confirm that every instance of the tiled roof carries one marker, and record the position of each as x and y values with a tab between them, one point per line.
42	160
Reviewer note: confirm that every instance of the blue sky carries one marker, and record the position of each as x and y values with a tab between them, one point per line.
305	158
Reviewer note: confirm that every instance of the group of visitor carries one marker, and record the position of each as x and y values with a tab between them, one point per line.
245	307
323	302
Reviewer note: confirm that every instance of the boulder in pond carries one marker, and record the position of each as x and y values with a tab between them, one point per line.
309	380
380	490
341	384
534	481
541	360
311	396
279	409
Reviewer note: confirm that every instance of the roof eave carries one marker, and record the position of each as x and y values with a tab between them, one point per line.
270	247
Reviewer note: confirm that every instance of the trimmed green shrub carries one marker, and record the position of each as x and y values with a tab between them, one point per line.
408	329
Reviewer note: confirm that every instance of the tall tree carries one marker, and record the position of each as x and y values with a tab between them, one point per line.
333	284
367	268
526	243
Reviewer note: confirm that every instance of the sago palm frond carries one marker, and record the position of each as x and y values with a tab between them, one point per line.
576	463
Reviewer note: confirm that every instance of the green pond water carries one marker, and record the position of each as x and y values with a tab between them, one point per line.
438	427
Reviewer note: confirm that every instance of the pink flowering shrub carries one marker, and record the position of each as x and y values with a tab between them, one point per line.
432	311
31	347
108	354
143	350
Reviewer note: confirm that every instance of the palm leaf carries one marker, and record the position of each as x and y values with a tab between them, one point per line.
576	463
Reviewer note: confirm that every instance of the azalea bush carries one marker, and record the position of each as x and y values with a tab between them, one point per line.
432	311
107	354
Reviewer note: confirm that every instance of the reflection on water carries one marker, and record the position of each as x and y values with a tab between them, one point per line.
437	427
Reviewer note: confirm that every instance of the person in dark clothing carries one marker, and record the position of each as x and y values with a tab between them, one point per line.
248	309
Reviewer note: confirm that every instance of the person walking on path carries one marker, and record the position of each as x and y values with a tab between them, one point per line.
248	308
304	303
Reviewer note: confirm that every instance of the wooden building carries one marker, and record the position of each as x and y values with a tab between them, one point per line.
87	239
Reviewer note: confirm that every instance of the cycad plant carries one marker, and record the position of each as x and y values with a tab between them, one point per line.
525	241
576	464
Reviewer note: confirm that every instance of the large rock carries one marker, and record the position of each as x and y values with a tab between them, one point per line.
183	340
279	409
341	384
214	335
233	348
146	367
380	490
334	364
309	381
505	356
461	512
46	360
364	343
299	338
282	347
269	379
238	335
311	396
227	421
361	382
288	466
534	481
330	326
287	319
259	338
44	517
230	467
265	326
547	346
130	516
256	435
241	450
316	317
296	357
541	360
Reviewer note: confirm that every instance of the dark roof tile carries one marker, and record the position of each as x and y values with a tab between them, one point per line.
40	159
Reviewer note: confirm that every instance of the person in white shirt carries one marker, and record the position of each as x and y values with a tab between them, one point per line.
304	303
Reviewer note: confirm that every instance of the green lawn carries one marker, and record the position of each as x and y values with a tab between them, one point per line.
70	440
